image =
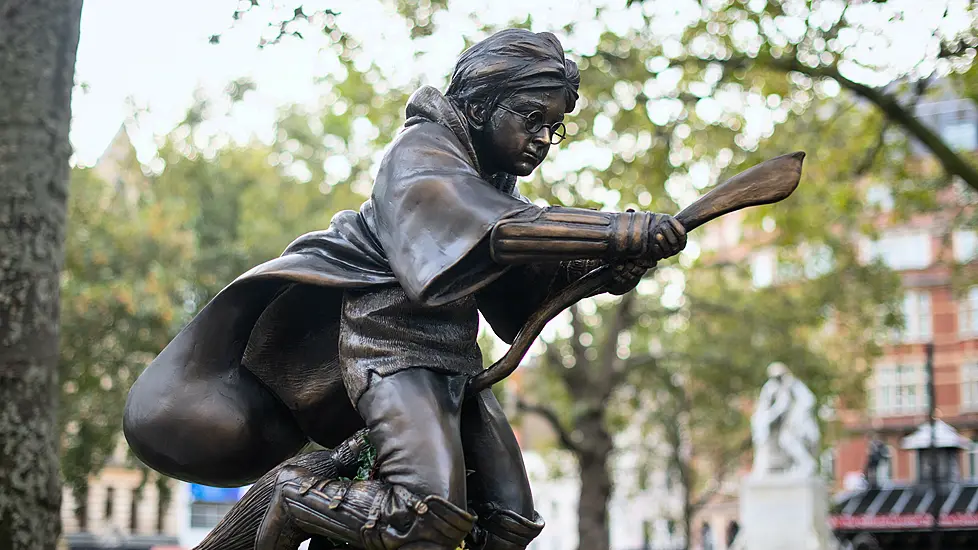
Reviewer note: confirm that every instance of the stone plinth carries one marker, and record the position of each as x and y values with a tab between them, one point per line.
784	513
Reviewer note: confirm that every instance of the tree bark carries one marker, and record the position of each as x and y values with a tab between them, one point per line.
593	454
596	484
38	42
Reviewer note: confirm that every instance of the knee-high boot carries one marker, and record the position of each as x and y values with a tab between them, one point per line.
499	529
371	515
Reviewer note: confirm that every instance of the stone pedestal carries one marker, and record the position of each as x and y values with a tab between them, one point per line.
784	513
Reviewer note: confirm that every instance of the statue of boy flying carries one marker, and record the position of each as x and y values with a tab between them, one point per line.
373	323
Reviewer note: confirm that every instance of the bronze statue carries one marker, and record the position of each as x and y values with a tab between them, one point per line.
878	455
372	323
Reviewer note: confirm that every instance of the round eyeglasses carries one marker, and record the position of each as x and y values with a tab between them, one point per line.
534	123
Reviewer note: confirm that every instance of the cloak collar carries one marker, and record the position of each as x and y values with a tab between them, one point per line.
427	104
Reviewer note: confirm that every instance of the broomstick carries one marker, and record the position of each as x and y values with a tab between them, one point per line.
768	182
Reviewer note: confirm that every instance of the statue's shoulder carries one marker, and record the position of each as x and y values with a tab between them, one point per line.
426	146
425	138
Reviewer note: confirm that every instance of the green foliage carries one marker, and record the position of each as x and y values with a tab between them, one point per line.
790	53
367	461
123	288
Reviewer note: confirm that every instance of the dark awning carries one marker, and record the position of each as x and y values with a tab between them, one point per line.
906	507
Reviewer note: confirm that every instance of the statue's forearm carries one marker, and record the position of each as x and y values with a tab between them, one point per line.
562	234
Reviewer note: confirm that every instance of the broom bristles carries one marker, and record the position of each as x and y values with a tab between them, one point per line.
238	529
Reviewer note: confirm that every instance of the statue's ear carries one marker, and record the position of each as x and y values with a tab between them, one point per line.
476	113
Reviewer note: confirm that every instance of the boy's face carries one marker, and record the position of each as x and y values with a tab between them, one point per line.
507	143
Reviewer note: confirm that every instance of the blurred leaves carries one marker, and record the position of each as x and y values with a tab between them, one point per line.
790	53
123	290
286	22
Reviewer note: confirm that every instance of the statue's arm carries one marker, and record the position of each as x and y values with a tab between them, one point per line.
447	233
782	401
558	233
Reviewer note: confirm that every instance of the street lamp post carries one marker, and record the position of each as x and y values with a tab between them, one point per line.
933	460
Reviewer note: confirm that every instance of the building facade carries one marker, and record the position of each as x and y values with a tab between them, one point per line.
934	257
935	310
125	509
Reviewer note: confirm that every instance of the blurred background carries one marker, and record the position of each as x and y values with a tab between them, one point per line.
208	135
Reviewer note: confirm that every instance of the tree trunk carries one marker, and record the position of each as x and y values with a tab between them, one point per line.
38	41
688	522
592	509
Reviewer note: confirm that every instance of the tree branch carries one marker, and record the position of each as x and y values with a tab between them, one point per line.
551	417
873	152
727	462
952	162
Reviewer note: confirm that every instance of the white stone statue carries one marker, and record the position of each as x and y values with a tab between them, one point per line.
784	428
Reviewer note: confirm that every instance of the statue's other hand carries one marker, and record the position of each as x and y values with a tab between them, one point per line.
627	274
668	236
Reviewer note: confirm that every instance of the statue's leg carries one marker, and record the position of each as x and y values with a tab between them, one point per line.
794	447
762	458
418	497
498	487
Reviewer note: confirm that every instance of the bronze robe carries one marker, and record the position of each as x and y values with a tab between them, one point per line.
257	368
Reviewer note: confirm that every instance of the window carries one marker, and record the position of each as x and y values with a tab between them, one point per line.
818	261
964	245
968	313
959	130
881	197
732	529
969	386
134	512
109	503
205	515
954	120
898	390
809	261
706	534
900	250
917	325
827	465
884	472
